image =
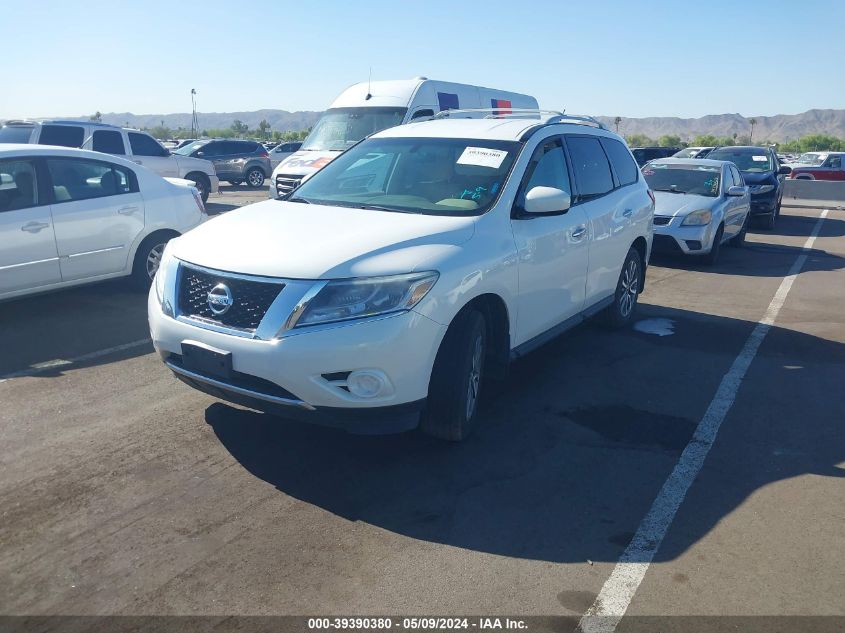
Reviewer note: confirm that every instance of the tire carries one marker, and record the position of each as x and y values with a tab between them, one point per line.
202	183
255	177
738	240
457	379
712	257
767	222
621	312
148	257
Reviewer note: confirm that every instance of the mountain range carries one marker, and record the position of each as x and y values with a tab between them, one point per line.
779	128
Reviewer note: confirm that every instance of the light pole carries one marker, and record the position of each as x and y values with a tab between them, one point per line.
195	128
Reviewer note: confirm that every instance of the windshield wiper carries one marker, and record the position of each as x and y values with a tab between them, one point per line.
297	199
671	190
375	207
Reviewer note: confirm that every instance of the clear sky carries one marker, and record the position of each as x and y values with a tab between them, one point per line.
609	57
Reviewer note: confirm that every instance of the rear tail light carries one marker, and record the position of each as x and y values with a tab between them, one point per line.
198	199
264	154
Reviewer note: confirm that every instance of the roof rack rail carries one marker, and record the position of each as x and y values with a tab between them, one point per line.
548	116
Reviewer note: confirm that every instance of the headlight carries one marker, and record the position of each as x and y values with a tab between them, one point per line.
698	218
166	268
368	296
760	188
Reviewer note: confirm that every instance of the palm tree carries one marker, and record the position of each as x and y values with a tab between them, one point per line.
616	122
753	122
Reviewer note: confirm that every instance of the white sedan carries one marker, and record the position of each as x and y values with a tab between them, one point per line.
70	216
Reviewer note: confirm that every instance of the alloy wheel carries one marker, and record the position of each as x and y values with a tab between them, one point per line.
474	384
630	288
154	259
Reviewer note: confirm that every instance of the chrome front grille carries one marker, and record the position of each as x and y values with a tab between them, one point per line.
285	183
250	298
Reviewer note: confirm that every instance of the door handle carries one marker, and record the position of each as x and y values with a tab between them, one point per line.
579	232
34	227
628	213
127	210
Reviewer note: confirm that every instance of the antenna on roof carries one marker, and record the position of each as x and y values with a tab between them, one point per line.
369	83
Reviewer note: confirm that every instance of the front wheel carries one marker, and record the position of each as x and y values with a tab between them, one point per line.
202	183
621	311
457	379
738	240
711	257
255	177
768	221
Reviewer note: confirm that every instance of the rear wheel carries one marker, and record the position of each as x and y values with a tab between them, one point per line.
457	379
255	177
711	257
148	258
621	312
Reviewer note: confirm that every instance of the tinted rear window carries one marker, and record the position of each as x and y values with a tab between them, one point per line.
63	135
15	134
624	166
592	171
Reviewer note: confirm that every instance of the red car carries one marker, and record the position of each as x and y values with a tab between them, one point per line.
831	168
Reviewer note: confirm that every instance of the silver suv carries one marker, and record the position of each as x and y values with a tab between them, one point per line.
234	161
135	145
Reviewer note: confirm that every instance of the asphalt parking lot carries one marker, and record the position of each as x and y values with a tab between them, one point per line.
125	492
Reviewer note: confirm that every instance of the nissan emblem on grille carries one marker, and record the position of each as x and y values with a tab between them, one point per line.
219	299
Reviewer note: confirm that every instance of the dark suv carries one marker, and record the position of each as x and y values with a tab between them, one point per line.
763	174
235	161
644	154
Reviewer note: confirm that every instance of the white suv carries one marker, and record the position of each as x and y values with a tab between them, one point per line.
135	145
406	273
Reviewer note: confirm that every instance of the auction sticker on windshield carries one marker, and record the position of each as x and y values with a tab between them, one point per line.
759	159
482	157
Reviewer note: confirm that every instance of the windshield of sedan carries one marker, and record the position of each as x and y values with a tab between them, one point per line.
340	128
700	181
432	176
750	160
810	159
188	149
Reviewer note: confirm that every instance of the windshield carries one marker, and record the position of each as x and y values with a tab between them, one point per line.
433	176
340	128
15	134
690	152
188	149
701	181
811	159
751	160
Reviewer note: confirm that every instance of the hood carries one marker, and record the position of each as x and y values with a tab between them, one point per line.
306	162
672	204
189	163
758	177
310	241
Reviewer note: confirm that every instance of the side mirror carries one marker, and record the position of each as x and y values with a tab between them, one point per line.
784	170
199	154
736	190
546	200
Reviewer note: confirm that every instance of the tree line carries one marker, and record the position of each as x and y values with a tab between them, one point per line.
808	143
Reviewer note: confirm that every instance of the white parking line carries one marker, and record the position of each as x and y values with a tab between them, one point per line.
618	591
61	362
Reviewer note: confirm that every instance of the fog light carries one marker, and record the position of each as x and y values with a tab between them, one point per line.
366	384
693	245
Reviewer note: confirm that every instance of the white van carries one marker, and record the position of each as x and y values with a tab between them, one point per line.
369	107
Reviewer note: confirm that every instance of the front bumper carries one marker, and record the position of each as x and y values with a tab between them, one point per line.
672	238
288	376
764	204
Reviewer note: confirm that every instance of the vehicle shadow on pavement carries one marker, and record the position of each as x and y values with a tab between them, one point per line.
70	323
571	453
802	226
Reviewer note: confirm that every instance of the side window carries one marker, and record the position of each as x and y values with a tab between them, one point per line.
547	169
592	171
109	142
421	113
143	145
18	186
626	169
737	176
834	162
209	150
74	179
63	135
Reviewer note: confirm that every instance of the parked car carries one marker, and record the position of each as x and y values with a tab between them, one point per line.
368	107
137	146
182	142
700	204
763	175
644	154
455	245
282	151
70	216
831	168
234	161
808	159
693	152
